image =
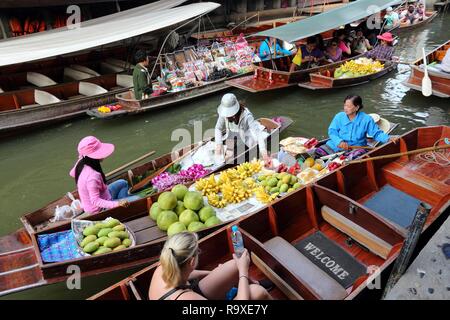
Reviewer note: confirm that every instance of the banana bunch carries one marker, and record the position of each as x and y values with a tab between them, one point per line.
235	192
248	169
207	186
360	67
263	197
215	200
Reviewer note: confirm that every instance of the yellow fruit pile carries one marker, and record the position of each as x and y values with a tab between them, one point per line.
233	185
263	197
358	68
104	109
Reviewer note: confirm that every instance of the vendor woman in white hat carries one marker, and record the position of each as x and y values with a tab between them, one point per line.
237	121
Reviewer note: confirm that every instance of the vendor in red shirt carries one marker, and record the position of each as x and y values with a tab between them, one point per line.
307	55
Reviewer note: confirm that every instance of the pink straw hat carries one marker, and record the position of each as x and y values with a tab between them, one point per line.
387	36
93	148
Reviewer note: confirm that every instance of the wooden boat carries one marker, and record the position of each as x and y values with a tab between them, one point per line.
329	240
36	106
429	16
324	79
440	80
132	106
21	266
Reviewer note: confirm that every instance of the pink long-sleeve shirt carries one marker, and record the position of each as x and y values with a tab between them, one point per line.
94	194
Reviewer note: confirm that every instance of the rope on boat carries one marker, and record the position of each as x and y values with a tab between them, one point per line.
440	157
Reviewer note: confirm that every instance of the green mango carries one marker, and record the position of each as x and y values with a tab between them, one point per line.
101	240
119	247
120	227
284	187
274	190
294	180
126	242
118	234
280	182
262	178
91	247
104	232
111	223
88	239
101	250
112	242
90	230
101	225
296	185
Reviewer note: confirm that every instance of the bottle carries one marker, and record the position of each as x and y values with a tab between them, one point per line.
238	242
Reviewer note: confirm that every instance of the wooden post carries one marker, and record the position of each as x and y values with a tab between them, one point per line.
409	245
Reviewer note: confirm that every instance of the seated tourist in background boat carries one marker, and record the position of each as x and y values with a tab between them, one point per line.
238	123
351	128
271	48
343	44
360	44
384	50
410	16
421	11
177	279
333	52
391	18
95	195
443	66
141	76
307	56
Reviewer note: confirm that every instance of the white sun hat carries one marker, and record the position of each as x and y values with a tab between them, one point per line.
382	123
229	106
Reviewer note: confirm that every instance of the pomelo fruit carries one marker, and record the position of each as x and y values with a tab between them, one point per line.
155	210
212	221
165	219
167	200
180	191
195	226
180	207
193	200
206	212
188	216
176	227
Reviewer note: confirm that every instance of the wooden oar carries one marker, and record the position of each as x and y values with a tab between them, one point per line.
426	81
129	164
147	180
394	155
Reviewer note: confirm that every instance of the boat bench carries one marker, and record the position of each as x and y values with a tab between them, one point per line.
316	280
375	244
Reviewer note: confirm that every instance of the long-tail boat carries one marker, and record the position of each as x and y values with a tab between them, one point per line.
429	16
324	79
21	266
275	73
48	101
331	239
440	80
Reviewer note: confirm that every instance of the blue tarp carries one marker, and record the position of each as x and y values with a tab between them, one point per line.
59	246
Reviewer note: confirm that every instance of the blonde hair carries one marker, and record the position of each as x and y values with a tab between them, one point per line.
177	250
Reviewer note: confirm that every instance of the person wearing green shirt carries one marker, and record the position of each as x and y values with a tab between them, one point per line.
141	76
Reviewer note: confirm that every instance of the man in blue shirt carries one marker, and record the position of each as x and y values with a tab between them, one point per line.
270	47
351	128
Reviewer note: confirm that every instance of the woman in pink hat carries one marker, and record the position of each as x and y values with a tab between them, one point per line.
95	195
384	50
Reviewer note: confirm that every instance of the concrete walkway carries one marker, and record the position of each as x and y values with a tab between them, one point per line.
428	277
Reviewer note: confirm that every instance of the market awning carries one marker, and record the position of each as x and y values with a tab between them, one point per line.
100	31
328	20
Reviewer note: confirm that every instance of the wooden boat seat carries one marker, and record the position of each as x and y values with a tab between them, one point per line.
39	80
119	63
110	68
85	70
72	74
307	272
356	232
44	98
90	89
430	181
124	81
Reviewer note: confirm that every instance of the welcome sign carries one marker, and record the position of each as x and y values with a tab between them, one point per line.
331	258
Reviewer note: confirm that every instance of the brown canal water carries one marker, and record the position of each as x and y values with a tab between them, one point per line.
34	167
